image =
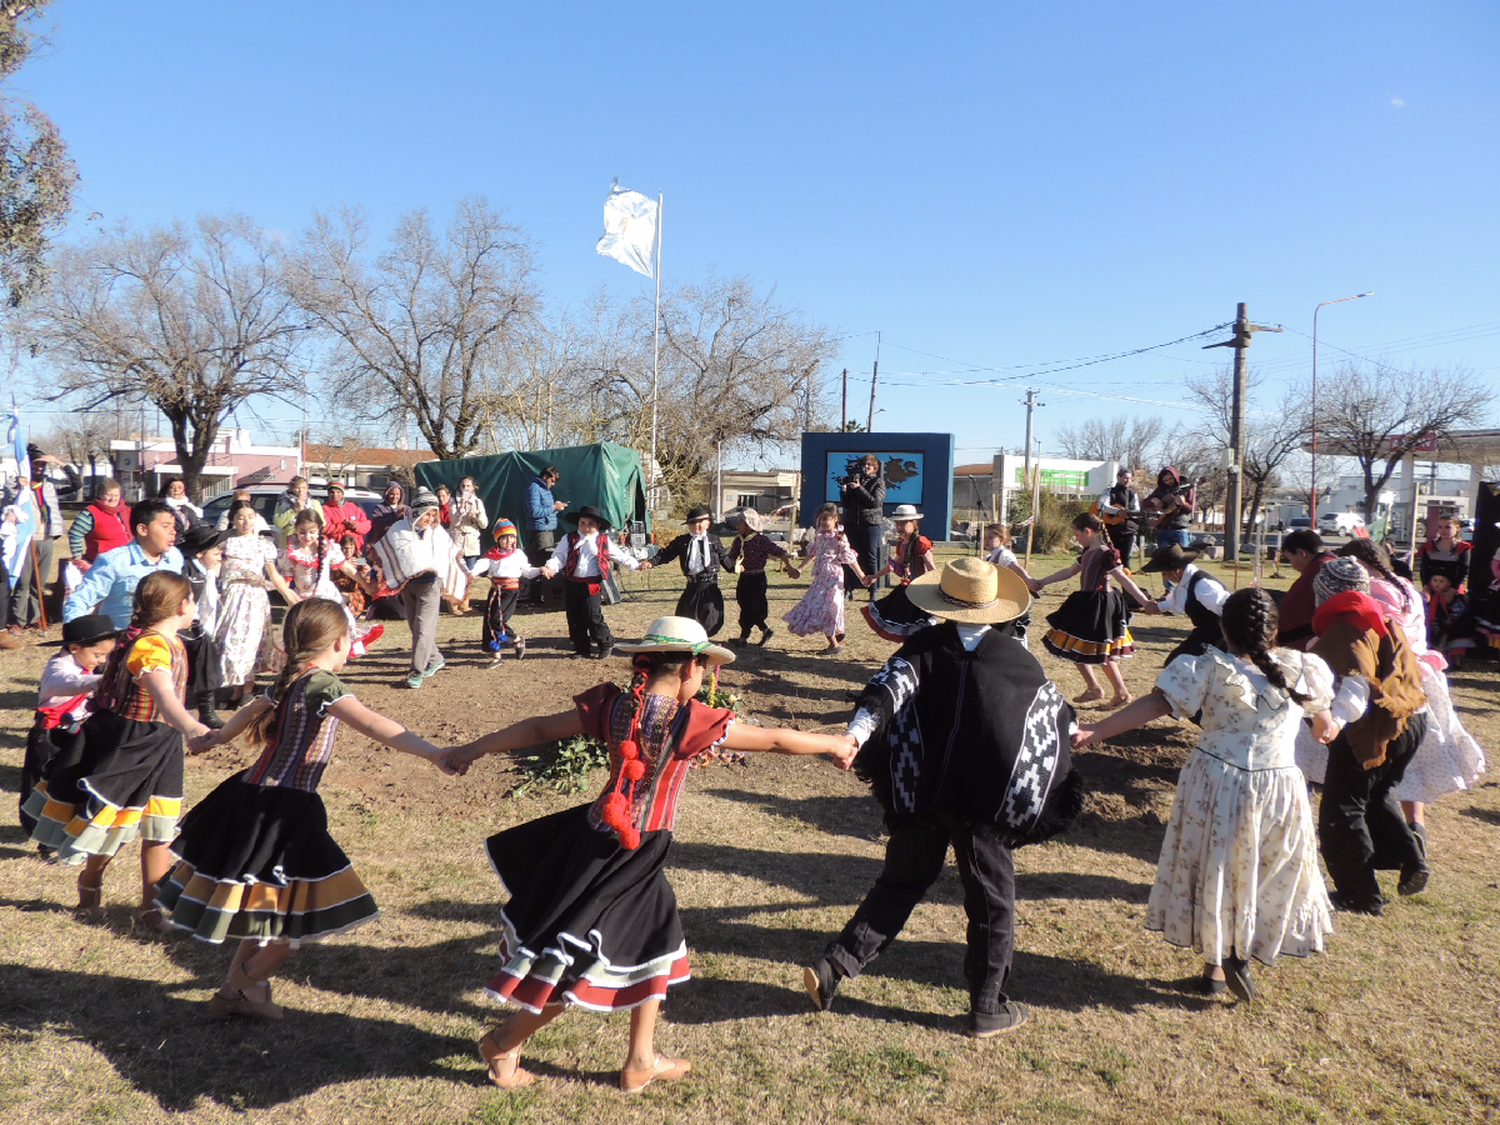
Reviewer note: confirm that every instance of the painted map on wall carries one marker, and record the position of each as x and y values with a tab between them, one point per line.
902	470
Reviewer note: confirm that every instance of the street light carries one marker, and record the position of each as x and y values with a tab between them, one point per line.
1313	505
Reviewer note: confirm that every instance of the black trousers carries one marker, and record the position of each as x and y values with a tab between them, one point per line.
539	546
586	625
866	539
755	607
1124	542
1360	826
703	601
498	609
914	858
205	670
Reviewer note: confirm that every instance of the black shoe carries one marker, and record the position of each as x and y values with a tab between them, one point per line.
605	653
1237	978
984	1025
210	718
1209	985
1413	879
821	980
1372	906
765	635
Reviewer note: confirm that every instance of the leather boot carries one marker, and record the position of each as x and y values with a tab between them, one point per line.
206	713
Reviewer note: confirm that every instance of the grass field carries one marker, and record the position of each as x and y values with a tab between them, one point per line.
1398	1022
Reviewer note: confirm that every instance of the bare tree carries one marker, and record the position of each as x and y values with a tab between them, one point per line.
1379	416
738	370
36	173
83	442
422	328
1272	437
194	320
1135	443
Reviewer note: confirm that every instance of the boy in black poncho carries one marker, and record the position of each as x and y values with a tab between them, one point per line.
964	741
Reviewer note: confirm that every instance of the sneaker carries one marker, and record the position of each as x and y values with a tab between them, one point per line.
415	680
1413	879
821	980
986	1025
435	667
520	647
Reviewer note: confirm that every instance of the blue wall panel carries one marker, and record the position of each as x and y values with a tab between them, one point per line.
918	470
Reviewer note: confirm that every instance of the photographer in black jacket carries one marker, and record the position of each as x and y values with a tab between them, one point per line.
862	494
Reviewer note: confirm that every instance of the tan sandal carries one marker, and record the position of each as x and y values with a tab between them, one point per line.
504	1066
243	995
90	898
662	1070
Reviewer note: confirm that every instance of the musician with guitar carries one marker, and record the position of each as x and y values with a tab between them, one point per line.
1119	510
1172	506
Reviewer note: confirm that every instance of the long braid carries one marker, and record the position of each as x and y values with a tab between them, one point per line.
1250	626
1373	556
311	627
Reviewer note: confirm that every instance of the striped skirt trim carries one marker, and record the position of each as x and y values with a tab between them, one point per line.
75	833
214	910
1081	651
577	972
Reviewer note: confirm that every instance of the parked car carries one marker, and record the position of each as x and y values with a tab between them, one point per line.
1340	523
1296	523
264	497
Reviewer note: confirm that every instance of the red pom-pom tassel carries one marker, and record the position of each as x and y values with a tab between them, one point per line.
633	770
629	750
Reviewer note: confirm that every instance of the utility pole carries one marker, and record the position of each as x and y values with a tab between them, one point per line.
874	381
1030	403
1243	329
844	406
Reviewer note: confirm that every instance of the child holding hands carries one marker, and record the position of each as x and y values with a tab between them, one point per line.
821	609
255	860
592	920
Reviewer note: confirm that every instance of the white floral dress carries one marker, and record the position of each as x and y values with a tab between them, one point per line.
310	575
821	609
243	633
1239	865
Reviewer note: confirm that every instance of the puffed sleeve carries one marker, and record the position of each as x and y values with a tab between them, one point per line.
594	707
150	652
1184	684
1316	682
846	553
706	728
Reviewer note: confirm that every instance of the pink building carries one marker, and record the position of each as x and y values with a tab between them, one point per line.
142	467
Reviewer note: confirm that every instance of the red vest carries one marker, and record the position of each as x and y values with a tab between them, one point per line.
111	529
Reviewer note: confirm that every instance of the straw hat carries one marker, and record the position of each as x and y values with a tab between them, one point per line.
971	591
904	512
679	634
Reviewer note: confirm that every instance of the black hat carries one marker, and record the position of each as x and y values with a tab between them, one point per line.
588	511
1170	557
89	629
199	538
701	512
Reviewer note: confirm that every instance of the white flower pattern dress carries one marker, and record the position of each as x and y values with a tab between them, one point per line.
1239	866
244	633
821	609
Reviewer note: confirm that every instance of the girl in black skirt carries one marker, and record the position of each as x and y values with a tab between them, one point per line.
255	860
1093	625
592	920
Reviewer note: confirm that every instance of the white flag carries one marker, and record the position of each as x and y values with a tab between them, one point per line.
629	229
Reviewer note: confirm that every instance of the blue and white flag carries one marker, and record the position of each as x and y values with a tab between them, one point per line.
629	229
21	518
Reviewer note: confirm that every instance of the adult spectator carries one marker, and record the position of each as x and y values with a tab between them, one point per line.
100	527
1116	509
344	517
391	510
1172	501
38	570
1304	552
470	522
258	526
862	494
541	525
184	511
109	586
296	498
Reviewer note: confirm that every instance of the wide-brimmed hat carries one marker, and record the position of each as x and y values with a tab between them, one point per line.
1340	574
504	527
679	634
751	518
904	512
971	591
89	629
199	538
1170	557
588	511
422	500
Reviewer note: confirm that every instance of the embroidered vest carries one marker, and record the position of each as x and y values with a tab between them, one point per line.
575	551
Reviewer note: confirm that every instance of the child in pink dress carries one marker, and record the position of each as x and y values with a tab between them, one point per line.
821	609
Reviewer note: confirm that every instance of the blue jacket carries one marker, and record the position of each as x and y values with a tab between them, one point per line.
540	515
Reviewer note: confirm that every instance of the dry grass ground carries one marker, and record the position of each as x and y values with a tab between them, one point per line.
1397	1022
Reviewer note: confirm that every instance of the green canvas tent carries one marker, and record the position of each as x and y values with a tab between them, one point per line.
606	475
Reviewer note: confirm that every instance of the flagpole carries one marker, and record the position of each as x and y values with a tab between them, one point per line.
656	350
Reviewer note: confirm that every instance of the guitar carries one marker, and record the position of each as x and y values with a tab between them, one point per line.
1116	517
1158	513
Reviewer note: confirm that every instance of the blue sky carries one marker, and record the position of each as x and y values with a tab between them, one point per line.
989	186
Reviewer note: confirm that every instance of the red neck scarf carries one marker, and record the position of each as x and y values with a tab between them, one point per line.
1364	609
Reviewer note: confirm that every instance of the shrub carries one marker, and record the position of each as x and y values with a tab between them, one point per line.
1054	523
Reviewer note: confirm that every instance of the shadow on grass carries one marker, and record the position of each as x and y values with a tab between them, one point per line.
857	816
1486	816
169	1048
